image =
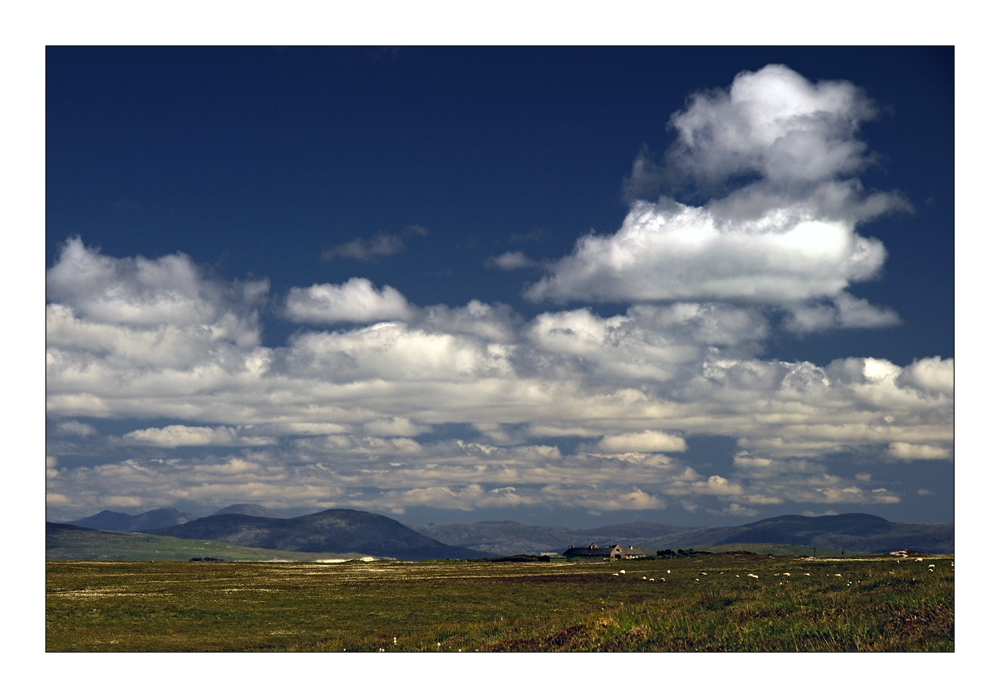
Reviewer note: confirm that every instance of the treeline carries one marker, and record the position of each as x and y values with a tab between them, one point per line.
690	552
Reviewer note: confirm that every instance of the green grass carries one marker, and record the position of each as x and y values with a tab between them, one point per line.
776	549
111	545
875	605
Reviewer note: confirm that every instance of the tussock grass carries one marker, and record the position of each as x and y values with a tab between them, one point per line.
876	604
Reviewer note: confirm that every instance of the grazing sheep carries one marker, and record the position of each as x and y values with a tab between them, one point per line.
837	575
621	571
615	574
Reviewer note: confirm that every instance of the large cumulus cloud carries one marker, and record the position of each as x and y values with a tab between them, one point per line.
776	152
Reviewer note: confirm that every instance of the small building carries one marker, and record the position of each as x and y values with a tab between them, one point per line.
612	552
631	553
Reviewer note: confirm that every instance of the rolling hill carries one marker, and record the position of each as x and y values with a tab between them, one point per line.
249	510
117	521
333	529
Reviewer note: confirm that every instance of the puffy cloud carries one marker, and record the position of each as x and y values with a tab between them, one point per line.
845	311
669	251
353	301
497	322
932	374
647	441
784	238
76	428
141	292
177	435
905	451
775	123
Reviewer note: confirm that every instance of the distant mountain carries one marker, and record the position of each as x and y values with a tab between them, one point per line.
501	537
857	532
117	521
249	510
330	530
861	532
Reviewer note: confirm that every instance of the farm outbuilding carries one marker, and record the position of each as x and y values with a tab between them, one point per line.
612	552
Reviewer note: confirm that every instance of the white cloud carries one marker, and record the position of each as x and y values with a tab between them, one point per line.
356	300
785	238
647	441
144	293
907	451
932	374
845	311
669	251
76	428
775	123
177	435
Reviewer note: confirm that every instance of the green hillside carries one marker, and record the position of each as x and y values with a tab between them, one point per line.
65	542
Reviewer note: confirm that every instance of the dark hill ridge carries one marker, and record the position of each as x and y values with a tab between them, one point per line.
861	532
117	521
857	532
330	530
249	510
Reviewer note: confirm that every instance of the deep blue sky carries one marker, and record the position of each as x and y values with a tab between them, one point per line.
254	161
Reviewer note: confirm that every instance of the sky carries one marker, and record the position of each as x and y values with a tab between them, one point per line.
574	286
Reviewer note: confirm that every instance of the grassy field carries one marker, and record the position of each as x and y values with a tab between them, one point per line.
86	544
705	603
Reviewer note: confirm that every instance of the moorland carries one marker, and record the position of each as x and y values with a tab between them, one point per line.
733	601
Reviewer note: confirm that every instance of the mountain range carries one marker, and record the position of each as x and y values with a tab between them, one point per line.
117	521
161	518
854	532
332	530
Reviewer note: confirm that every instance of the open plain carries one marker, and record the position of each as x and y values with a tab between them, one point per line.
722	602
